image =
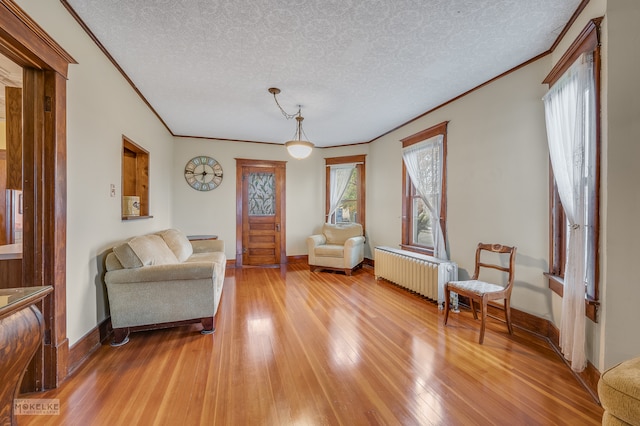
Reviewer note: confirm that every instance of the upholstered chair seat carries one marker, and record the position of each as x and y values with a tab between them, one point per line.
339	248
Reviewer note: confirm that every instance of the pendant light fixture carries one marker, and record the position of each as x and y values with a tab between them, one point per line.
297	147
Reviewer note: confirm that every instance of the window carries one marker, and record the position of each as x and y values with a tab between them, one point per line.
345	194
419	219
585	46
423	225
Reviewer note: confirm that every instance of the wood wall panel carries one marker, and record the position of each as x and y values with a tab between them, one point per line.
129	175
5	216
14	137
135	174
10	273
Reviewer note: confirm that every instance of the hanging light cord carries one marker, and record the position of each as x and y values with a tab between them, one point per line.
298	116
300	130
274	91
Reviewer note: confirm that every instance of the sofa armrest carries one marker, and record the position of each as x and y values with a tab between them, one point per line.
203	246
173	272
353	242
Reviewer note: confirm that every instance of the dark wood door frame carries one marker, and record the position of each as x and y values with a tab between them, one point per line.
241	163
45	65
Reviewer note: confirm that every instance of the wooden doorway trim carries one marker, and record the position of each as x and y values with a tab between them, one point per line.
45	65
241	163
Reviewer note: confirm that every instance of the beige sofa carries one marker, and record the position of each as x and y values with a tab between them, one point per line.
339	248
163	279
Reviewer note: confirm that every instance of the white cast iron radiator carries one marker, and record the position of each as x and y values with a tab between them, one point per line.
422	274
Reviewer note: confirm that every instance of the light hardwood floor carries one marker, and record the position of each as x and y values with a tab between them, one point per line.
299	348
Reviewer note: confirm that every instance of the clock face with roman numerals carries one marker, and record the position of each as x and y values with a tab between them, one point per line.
203	173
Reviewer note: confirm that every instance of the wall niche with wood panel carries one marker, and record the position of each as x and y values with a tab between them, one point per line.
11	199
135	181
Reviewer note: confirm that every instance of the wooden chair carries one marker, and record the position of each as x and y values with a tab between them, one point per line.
481	292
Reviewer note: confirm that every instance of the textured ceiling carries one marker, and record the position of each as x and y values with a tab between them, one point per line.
358	68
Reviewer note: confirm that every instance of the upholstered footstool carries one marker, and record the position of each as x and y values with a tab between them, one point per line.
619	392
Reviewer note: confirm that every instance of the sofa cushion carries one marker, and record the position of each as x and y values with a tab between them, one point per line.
338	234
126	256
112	263
143	251
214	256
178	243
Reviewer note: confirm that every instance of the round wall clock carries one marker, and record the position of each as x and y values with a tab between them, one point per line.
203	173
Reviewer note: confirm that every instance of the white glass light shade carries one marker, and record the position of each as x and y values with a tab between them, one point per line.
299	149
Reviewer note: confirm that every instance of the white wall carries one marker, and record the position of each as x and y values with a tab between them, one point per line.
621	241
214	212
497	171
101	107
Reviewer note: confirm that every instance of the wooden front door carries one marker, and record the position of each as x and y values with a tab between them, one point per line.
261	236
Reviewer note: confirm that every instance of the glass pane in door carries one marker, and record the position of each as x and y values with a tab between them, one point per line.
262	194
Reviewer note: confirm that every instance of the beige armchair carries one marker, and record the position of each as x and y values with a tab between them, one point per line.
338	248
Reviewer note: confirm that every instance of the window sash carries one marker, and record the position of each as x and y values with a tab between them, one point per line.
350	204
358	214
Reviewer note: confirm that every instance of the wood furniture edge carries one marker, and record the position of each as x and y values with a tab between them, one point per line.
121	335
25	302
22	333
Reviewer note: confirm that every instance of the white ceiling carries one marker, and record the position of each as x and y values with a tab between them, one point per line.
359	68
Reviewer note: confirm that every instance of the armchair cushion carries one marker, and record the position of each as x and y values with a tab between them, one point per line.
330	250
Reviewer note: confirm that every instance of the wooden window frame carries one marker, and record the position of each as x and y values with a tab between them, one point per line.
360	161
587	41
408	189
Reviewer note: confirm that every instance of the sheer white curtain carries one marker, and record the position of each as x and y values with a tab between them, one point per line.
570	117
424	165
339	175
